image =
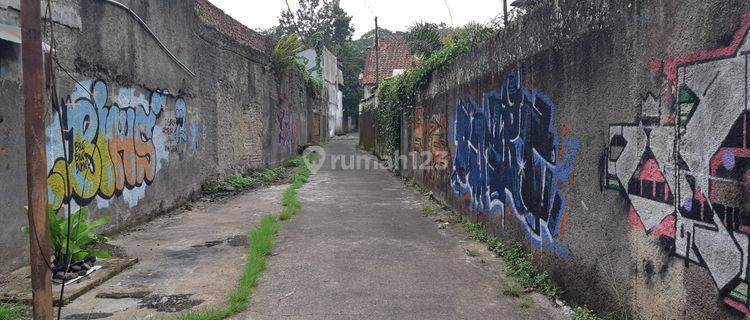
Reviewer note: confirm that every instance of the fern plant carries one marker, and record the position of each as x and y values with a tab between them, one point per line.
285	52
82	235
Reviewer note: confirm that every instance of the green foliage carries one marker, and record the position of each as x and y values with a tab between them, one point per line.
325	24
514	291
428	210
315	84
473	32
284	54
235	182
582	313
284	57
73	249
352	62
396	95
210	187
519	263
12	311
260	245
423	38
268	175
318	23
525	304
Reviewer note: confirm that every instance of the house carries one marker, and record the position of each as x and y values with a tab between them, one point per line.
393	57
324	65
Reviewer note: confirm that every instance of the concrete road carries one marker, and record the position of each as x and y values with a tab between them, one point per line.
361	249
188	260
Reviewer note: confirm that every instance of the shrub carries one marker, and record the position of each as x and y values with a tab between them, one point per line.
73	249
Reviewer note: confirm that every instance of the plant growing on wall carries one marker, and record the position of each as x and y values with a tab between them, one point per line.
423	38
284	57
73	249
284	54
396	95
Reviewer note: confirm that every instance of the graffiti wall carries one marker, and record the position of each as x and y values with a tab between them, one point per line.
104	143
429	145
511	162
685	163
612	139
134	133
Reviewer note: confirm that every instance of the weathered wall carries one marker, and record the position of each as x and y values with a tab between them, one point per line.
613	139
134	134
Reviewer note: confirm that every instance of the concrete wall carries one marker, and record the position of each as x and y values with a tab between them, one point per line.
612	138
134	134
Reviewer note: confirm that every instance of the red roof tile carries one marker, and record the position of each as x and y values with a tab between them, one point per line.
394	54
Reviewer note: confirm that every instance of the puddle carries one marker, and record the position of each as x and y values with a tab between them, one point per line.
171	303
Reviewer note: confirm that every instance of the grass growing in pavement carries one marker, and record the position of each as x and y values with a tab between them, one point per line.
260	246
428	210
581	313
525	304
290	203
10	311
519	263
521	267
514	291
256	178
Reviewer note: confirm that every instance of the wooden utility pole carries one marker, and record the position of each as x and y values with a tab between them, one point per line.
36	158
505	13
377	53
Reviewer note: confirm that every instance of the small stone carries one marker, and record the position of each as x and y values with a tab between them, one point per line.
559	303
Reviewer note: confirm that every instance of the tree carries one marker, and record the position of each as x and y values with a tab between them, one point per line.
318	24
423	38
324	23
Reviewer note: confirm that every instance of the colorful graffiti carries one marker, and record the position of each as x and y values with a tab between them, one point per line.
418	130
437	143
510	160
284	123
98	150
174	128
685	165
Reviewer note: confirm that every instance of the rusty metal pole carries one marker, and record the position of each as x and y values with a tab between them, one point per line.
36	158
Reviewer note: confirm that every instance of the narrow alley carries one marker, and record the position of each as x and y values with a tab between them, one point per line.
361	248
374	159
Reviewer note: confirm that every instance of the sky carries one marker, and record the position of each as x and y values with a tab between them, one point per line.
394	15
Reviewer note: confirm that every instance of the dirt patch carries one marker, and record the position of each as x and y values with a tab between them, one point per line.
171	303
87	316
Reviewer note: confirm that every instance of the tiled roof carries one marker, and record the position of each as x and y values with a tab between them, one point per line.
394	54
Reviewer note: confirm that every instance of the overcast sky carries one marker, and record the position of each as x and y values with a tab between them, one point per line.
394	15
